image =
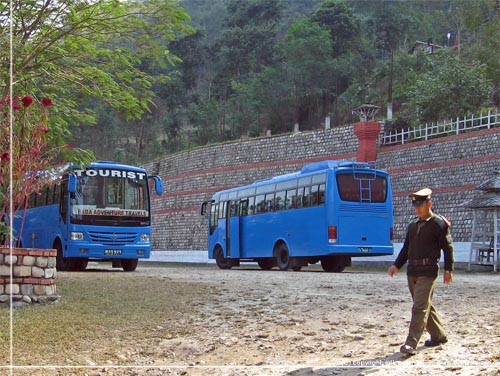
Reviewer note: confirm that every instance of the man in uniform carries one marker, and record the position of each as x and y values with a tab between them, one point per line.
426	236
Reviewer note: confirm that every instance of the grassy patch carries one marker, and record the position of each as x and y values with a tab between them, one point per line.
101	317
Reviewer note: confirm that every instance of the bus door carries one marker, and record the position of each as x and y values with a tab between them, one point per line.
233	229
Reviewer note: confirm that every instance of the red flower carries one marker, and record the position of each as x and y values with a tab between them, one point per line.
46	102
15	106
5	156
27	101
43	128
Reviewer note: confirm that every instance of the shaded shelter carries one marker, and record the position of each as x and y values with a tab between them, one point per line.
484	249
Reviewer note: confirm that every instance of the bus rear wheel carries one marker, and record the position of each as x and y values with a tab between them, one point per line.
283	259
129	265
334	264
221	261
266	263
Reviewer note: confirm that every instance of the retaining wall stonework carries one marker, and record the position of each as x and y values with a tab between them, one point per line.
451	166
33	276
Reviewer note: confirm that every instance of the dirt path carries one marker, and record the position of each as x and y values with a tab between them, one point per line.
249	322
253	322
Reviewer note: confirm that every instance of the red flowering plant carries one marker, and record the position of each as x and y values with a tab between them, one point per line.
32	152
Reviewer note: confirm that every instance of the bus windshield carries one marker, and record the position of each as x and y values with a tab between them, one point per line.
110	200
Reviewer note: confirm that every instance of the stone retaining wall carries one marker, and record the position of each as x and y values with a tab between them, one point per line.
33	276
451	166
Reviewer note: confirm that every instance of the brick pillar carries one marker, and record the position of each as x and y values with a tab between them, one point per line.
367	133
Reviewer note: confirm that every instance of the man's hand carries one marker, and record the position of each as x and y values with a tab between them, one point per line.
392	270
447	277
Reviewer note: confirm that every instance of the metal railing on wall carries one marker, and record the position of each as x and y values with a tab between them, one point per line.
434	130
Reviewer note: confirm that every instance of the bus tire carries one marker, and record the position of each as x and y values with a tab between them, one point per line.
61	261
221	261
283	259
266	263
129	265
333	264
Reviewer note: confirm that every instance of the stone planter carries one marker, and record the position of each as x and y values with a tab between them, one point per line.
33	276
367	133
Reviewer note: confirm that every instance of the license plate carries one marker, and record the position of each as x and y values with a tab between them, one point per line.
112	252
365	249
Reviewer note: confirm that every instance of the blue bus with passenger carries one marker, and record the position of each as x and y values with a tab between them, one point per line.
328	212
101	211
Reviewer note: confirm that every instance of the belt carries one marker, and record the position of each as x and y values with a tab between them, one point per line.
422	262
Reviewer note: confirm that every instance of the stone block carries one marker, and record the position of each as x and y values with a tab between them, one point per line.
27	289
41	262
50	273
2	288
37	272
40	290
4	270
10	260
22	271
51	262
28	260
12	288
50	289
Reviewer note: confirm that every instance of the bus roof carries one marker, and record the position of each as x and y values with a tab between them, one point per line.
309	168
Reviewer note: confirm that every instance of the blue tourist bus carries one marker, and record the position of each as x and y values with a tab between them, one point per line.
101	212
328	212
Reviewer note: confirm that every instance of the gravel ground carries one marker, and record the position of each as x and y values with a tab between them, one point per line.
246	321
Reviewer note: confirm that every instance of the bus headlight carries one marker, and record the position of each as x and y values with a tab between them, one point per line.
76	236
144	238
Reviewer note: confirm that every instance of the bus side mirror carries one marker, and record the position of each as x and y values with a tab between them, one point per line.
158	184
72	183
203	208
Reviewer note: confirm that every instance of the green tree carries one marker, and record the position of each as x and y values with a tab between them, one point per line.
449	88
81	51
307	60
340	19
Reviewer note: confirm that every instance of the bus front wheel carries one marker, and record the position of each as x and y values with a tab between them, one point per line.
283	259
129	265
221	261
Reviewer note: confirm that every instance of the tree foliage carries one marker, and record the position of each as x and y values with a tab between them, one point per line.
449	88
86	52
150	85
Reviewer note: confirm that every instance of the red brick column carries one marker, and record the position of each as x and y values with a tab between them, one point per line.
367	133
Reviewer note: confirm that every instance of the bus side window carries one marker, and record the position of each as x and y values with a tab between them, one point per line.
300	197
291	199
50	195
57	193
233	211
260	204
314	195
222	210
280	201
214	211
32	200
306	197
321	194
251	205
63	208
244	206
269	206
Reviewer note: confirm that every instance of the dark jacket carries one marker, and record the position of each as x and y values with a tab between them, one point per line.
424	240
